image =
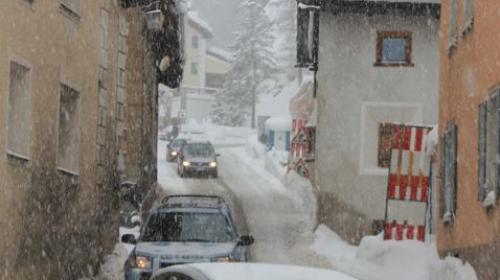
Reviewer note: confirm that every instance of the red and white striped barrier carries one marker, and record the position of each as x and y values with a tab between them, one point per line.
408	184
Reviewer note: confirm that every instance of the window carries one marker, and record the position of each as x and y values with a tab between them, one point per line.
468	16
194	42
69	130
307	33
384	145
394	48
452	28
489	150
194	68
18	129
449	174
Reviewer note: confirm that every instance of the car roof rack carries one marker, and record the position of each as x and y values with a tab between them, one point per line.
194	200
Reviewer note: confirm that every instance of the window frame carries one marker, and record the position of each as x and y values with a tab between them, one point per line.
59	166
195	44
10	153
387	128
407	36
194	68
468	19
452	26
449	163
489	119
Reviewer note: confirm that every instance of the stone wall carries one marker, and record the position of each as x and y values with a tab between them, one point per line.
57	224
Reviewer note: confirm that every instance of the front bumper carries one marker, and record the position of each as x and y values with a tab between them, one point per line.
200	169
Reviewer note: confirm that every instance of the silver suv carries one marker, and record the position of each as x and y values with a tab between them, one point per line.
186	229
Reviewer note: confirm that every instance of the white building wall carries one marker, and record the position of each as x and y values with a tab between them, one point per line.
354	96
199	106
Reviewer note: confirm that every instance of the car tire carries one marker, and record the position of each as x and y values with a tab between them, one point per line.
215	174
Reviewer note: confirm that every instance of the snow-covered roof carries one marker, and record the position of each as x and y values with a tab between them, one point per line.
277	105
199	23
220	53
279	124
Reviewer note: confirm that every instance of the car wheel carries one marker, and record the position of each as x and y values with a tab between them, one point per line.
215	174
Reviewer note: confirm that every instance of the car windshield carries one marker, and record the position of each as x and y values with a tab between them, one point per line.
188	227
199	149
177	143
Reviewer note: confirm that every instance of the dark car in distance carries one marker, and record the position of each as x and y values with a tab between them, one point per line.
197	158
174	147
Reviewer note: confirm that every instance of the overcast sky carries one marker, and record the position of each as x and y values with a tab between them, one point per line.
222	16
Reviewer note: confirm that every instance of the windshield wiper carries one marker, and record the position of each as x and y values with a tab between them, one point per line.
195	240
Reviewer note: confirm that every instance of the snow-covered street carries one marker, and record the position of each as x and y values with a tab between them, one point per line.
279	211
278	218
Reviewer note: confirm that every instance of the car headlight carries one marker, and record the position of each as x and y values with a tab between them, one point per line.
186	163
143	262
213	164
223	259
173	153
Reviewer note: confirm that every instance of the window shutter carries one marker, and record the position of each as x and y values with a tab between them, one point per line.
453	171
442	188
482	136
307	32
497	143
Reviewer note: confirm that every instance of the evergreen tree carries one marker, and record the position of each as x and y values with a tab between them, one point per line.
286	27
253	63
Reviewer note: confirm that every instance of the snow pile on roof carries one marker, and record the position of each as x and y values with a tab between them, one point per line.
221	53
196	19
279	124
376	259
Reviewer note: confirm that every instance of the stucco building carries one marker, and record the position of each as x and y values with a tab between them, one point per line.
469	128
78	96
378	64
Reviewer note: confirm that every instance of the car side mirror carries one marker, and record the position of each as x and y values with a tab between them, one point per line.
129	238
246	240
217	155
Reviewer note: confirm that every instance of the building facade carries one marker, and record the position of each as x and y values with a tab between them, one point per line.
469	127
193	100
79	86
378	64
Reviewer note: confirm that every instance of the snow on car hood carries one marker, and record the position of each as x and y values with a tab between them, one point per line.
184	250
254	271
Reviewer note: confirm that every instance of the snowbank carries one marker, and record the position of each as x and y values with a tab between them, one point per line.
432	141
378	259
279	124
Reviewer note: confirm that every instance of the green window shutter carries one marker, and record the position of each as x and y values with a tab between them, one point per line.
482	144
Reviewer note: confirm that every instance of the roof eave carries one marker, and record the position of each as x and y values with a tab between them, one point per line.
369	8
